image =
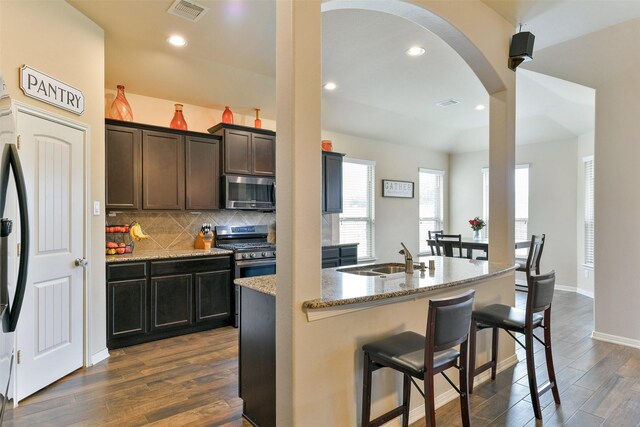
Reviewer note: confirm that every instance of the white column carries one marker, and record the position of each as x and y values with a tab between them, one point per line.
298	177
502	175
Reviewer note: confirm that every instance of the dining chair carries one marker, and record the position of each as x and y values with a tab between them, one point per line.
532	262
446	243
423	357
432	235
514	320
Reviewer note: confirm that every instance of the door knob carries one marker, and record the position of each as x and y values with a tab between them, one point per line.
81	262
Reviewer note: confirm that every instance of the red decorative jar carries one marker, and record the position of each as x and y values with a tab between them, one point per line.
227	116
120	108
178	121
257	123
327	145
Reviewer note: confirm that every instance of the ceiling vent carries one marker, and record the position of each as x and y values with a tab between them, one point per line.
447	102
188	10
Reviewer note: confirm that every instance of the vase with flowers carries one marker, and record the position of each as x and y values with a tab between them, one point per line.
477	224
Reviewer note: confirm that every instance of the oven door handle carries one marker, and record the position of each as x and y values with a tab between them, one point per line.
255	262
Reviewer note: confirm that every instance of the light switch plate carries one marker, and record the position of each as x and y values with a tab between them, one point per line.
96	208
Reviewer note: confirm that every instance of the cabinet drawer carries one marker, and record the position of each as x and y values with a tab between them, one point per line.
192	265
126	271
348	261
330	253
349	251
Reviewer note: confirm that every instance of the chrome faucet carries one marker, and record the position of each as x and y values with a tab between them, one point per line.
408	259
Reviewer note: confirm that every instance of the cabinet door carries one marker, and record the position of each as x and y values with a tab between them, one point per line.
126	306
212	295
264	154
332	183
202	173
122	167
162	170
237	152
171	302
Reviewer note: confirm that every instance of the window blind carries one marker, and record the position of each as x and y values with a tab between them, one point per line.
357	220
589	220
430	210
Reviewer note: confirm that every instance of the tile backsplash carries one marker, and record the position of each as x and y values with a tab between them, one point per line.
178	230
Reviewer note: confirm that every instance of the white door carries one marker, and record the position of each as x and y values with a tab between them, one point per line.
50	328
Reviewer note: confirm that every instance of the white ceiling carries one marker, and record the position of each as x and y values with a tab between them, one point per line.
382	93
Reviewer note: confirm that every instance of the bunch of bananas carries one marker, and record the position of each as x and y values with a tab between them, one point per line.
136	232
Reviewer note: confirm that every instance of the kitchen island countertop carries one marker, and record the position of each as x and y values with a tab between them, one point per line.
165	254
343	289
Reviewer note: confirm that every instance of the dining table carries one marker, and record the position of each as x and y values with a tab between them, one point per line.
469	244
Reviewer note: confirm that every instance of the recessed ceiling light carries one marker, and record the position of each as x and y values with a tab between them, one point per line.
177	41
330	86
480	107
415	51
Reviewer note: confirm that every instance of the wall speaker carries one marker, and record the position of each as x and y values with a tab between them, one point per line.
521	49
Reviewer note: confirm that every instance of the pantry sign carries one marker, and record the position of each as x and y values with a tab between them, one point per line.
42	87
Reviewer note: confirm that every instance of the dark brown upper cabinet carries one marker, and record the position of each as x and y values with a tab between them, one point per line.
331	182
246	151
162	170
156	168
202	173
123	156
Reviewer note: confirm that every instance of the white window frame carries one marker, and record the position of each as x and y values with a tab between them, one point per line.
485	197
370	218
589	217
439	220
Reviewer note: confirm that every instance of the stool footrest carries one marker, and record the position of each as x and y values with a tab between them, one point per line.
385	418
480	369
545	388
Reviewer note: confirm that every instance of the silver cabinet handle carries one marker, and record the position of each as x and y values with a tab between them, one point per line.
81	262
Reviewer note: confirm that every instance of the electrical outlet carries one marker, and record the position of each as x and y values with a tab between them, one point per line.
96	208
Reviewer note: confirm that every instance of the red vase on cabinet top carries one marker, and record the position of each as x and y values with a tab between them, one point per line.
227	116
257	123
120	108
178	119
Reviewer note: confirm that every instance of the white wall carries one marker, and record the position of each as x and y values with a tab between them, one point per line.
396	219
584	275
552	199
55	38
159	112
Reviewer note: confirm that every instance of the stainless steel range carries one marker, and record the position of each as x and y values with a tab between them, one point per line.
253	255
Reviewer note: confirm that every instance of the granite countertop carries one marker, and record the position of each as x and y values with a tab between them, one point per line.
264	284
164	254
340	289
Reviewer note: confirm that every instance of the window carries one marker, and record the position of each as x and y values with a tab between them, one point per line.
357	222
430	188
522	200
589	223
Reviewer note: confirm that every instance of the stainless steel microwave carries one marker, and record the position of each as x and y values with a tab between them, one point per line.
248	193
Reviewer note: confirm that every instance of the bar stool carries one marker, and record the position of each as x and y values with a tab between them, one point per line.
514	320
417	356
532	262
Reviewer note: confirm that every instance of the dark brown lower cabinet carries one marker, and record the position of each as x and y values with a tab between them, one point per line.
339	255
257	364
212	296
150	300
127	308
171	302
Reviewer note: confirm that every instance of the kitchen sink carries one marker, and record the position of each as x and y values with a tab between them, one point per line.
376	269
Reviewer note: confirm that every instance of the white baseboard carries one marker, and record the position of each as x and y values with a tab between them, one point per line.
418	413
565	289
614	339
585	293
99	356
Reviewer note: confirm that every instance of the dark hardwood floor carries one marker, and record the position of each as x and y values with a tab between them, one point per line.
192	381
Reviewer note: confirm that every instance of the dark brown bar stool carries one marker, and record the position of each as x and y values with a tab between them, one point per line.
417	356
514	320
432	235
446	243
532	262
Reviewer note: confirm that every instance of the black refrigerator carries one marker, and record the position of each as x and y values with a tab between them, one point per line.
11	292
